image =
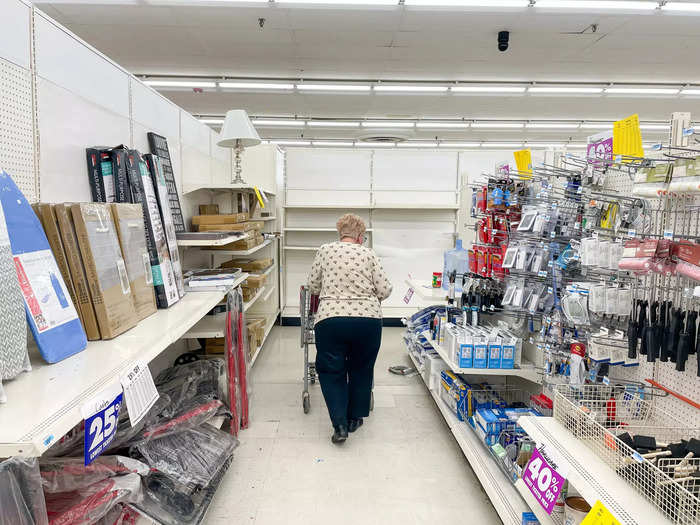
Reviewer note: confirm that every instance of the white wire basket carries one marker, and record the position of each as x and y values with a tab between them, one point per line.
598	414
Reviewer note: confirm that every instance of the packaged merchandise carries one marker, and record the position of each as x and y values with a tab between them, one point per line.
232	227
161	266
109	284
21	494
231	218
99	164
249	265
159	147
455	262
77	271
161	191
130	226
50	312
122	189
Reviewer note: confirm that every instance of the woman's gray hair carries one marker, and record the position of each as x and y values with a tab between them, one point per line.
351	225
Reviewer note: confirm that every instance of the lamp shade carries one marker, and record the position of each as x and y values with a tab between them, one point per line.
237	126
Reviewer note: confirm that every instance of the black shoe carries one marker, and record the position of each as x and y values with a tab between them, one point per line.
355	424
340	434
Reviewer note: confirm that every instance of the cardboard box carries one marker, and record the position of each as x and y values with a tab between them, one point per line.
47	217
243	244
232	218
105	268
255	281
209	209
215	345
237	227
249	265
77	271
248	292
118	156
161	266
128	219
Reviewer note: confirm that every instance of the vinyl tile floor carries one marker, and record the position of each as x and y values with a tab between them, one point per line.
402	466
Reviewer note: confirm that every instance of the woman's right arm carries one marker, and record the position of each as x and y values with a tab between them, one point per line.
315	277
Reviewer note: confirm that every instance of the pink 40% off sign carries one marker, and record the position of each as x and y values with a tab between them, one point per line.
544	478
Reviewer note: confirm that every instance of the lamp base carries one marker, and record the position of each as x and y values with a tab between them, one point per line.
236	178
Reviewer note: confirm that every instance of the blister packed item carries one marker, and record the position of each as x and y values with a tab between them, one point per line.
596	299
71	474
574	307
21	495
87	505
193	456
589	251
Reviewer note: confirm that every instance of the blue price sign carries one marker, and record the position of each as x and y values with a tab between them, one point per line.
101	417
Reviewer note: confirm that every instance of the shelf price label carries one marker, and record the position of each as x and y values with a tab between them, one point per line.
544	479
101	415
409	295
599	515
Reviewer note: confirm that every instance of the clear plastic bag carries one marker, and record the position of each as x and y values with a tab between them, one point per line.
71	474
192	457
21	495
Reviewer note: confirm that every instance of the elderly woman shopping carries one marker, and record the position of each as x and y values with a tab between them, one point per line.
351	283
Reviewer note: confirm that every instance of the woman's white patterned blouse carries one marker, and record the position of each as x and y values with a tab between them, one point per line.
350	281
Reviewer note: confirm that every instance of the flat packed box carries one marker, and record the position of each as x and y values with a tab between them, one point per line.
243	244
215	345
249	265
209	209
128	219
106	271
122	191
255	281
230	227
100	175
77	271
231	218
161	266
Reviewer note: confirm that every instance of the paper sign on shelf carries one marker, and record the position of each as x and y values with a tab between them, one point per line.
523	162
409	295
544	477
140	391
599	515
101	415
627	137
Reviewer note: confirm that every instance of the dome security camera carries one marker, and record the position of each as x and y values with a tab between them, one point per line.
503	39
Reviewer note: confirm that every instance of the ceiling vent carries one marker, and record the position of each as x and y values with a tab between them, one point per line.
383	138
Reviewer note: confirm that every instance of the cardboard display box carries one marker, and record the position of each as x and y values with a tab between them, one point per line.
231	218
237	227
106	271
255	281
128	219
243	244
100	174
209	209
215	345
77	271
249	265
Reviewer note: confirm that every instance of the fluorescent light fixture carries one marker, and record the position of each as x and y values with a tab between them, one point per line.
339	2
468	3
410	89
576	145
655	127
597	125
460	144
546	125
333	124
690	91
498	125
333	87
417	144
330	143
375	144
597	4
488	145
565	90
543	145
180	83
387	124
254	85
641	91
434	125
211	120
291	142
279	123
487	89
679	6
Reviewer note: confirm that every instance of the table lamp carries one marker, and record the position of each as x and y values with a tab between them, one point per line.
237	132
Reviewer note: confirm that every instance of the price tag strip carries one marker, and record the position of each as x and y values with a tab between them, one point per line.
140	391
409	295
101	415
599	515
544	478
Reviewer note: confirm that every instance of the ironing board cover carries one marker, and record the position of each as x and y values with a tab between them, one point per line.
51	314
13	323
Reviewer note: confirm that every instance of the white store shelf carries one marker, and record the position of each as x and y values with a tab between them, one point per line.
268	329
221	187
591	477
407	206
302	248
425	291
540	513
254	299
527	370
266	272
266	242
369	230
503	495
263	218
232	237
44	404
269	293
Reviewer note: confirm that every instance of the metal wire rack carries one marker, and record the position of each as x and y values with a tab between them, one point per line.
599	414
308	305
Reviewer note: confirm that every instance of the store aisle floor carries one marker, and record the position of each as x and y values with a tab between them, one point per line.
403	466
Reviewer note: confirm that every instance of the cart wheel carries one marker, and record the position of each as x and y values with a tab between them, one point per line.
306	402
371	401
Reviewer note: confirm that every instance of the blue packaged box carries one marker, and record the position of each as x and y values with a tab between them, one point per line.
530	519
489	439
480	357
494	355
508	356
466	355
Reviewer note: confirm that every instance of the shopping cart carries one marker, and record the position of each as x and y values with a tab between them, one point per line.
308	305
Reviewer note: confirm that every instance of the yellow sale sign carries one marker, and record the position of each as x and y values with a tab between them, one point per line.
599	515
627	137
523	162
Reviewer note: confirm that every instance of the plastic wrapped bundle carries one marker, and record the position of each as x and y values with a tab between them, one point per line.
90	503
21	496
192	457
120	514
70	474
185	382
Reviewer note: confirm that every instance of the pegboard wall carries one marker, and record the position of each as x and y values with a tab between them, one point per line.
679	214
17	127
